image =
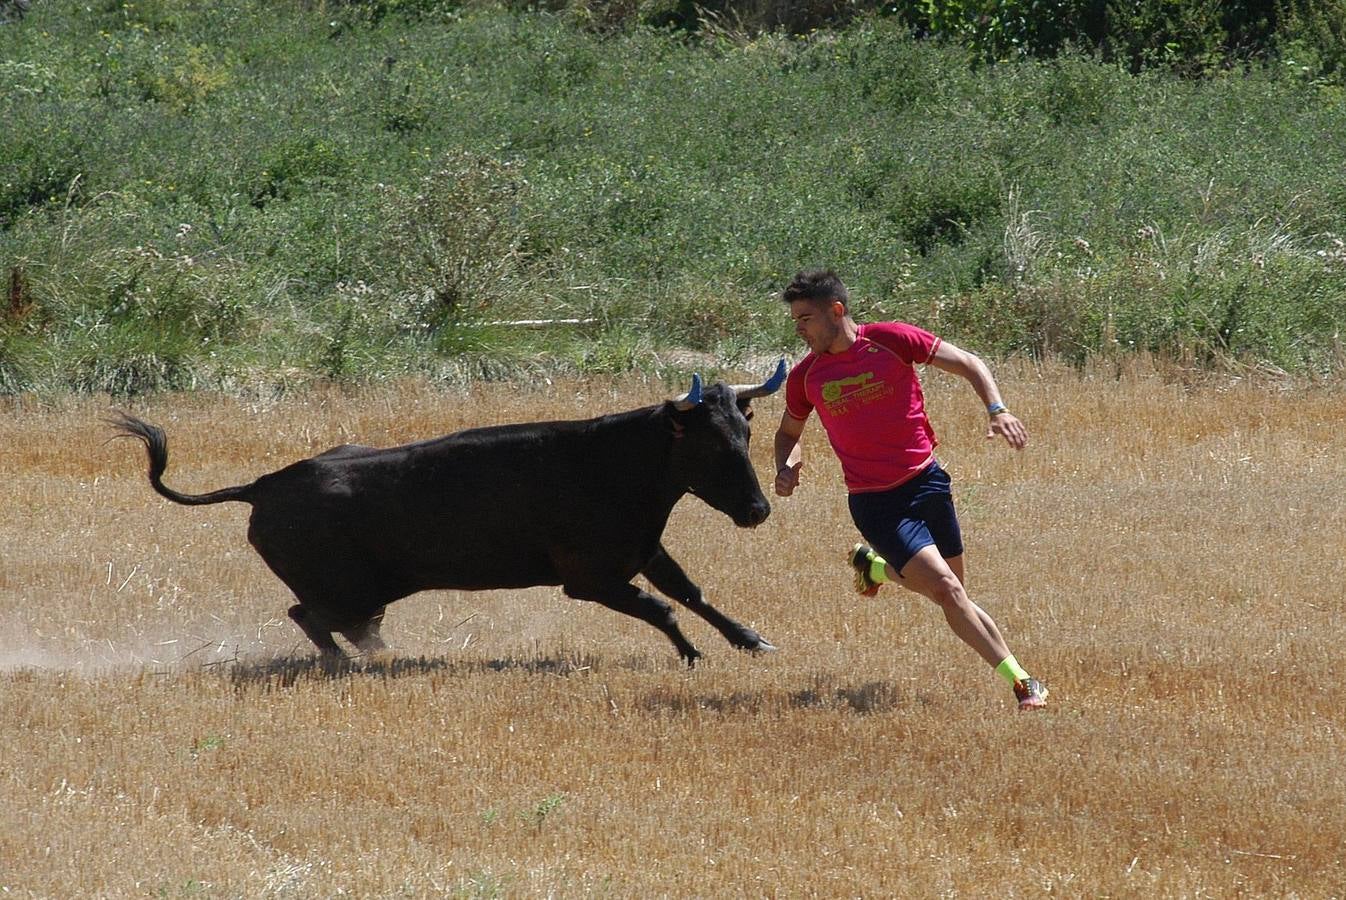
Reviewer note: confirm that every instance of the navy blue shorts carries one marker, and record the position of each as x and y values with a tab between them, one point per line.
915	514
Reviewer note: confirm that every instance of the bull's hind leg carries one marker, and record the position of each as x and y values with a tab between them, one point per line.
320	636
628	599
339	592
366	637
668	577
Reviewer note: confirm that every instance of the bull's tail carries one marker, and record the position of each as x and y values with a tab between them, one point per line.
156	444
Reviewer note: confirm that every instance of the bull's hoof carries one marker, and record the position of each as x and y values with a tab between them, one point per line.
333	663
751	641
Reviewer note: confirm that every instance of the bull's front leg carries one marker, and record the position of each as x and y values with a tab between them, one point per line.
630	600
668	577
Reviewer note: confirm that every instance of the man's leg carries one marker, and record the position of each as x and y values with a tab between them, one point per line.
942	581
955	563
930	575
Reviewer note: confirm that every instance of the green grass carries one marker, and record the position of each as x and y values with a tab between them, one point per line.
235	194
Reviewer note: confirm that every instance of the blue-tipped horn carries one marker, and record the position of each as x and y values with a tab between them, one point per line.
692	397
770	386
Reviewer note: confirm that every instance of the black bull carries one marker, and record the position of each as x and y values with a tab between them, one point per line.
581	504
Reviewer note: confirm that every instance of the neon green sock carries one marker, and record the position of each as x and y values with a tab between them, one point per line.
878	569
1010	670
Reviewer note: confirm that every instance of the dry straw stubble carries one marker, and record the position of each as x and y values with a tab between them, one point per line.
1164	554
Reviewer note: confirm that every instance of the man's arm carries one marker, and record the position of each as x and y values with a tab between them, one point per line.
789	455
970	366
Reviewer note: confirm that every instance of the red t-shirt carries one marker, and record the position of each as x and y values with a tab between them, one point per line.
870	403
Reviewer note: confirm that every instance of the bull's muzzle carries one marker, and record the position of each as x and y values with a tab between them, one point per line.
757	513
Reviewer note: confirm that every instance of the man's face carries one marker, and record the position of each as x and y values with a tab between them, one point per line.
817	324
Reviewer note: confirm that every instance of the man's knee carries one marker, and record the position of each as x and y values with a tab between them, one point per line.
946	590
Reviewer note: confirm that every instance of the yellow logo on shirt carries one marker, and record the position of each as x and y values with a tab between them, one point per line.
835	390
843	396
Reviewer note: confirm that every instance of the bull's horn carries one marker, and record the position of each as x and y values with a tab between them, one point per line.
692	397
770	386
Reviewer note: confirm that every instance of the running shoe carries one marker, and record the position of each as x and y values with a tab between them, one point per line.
1031	693
861	559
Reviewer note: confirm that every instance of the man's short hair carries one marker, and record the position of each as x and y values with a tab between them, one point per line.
817	285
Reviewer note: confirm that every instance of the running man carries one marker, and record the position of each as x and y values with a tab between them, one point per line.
862	382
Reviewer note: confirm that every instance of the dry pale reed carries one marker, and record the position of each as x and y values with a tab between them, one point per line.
1168	555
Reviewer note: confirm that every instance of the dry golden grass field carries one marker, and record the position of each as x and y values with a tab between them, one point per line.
1168	555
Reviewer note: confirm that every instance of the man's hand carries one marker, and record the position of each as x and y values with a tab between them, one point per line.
1008	427
787	479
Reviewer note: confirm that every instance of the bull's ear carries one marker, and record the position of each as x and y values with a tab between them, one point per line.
745	407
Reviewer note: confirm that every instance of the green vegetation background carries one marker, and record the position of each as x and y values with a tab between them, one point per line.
256	193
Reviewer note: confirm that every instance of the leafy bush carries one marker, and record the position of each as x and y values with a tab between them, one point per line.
1312	41
45	149
295	164
182	82
455	246
13	10
368	198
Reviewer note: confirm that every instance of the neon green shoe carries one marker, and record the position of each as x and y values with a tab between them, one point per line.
861	559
